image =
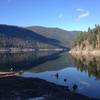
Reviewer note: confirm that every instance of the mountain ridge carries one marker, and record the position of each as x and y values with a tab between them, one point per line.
19	37
62	35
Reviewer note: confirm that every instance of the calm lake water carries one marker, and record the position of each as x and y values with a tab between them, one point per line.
82	71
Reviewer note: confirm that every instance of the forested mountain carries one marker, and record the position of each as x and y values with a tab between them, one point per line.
17	37
65	37
88	40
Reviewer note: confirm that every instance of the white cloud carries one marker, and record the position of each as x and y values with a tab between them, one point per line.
60	16
79	9
83	13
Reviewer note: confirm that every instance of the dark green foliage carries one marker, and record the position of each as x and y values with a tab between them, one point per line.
80	37
89	64
91	36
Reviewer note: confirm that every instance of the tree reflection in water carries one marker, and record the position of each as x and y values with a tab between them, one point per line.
25	61
90	64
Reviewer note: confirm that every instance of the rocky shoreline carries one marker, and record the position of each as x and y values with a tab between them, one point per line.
85	52
14	87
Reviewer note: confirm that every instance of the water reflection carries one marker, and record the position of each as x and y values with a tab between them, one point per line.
90	64
77	73
25	61
72	78
65	60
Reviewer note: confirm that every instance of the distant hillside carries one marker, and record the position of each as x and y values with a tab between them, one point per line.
65	37
17	37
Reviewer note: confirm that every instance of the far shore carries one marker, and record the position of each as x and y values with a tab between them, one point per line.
85	52
19	50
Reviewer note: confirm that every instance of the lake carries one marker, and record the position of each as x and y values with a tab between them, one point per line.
57	67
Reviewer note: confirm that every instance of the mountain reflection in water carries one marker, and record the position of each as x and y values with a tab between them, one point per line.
84	72
58	67
25	61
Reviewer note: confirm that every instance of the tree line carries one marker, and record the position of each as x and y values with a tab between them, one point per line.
91	37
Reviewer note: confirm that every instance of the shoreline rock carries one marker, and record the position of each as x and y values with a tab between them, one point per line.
14	86
85	52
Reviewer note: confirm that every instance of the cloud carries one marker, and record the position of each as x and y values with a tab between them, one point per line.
60	16
79	9
83	13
